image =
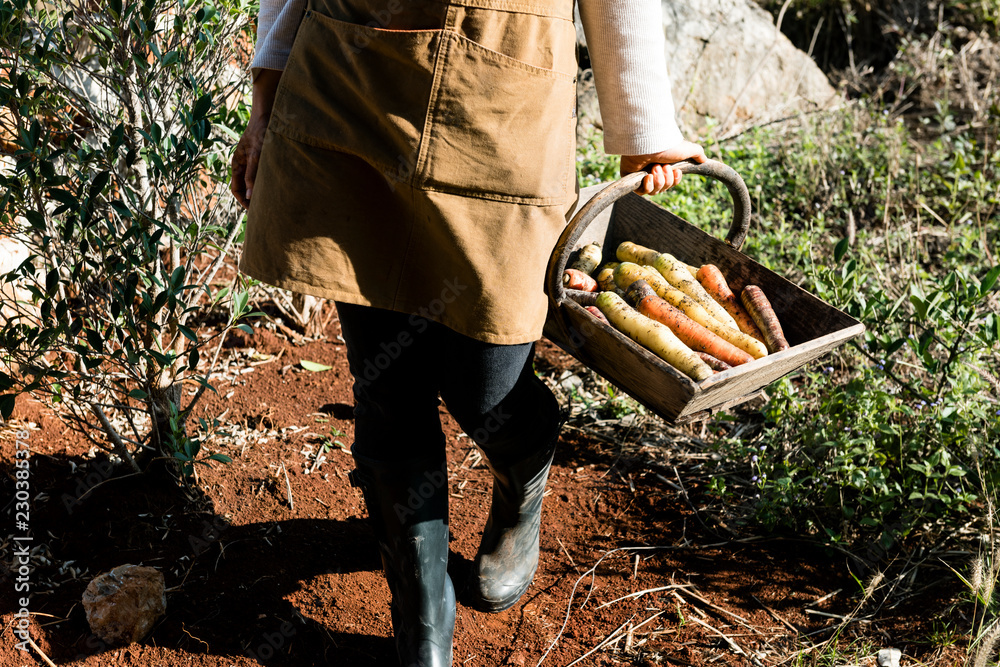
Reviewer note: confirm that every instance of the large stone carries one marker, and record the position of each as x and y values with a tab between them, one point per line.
122	605
729	63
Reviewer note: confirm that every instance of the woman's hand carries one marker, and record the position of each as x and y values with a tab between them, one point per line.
662	176
247	153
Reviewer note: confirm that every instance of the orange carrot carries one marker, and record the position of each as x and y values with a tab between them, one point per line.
760	310
692	334
713	363
714	282
596	312
574	279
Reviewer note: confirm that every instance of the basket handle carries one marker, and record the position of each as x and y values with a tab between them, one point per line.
618	189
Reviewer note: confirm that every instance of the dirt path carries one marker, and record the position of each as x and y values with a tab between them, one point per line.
270	563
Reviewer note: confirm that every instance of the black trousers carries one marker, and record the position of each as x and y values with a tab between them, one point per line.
403	363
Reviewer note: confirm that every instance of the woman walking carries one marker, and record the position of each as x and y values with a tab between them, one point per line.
413	160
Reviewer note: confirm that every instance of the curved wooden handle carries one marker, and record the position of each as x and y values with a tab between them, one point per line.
615	191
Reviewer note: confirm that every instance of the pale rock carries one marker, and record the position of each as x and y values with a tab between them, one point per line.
889	657
729	62
122	605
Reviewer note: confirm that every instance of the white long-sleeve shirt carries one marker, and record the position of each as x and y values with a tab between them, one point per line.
625	40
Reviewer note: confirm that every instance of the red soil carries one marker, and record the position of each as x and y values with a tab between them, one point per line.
260	576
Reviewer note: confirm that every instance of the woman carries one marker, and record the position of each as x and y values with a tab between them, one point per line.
413	160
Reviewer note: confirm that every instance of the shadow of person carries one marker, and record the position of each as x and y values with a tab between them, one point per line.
296	592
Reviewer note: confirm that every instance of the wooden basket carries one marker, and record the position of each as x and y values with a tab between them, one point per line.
614	213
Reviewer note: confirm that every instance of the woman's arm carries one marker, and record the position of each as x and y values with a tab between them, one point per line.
626	44
247	153
277	23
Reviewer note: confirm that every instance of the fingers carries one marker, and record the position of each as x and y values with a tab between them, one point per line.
244	164
238	183
660	179
251	173
246	157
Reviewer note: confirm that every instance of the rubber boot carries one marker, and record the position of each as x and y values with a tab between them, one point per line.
408	509
508	554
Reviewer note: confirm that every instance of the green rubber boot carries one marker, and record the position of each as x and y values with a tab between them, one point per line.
508	554
408	509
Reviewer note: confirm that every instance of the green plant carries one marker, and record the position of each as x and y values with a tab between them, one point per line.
115	120
594	166
880	441
330	441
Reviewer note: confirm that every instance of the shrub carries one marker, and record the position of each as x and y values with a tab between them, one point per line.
115	175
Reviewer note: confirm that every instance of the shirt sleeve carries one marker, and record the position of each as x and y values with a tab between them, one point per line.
626	44
277	23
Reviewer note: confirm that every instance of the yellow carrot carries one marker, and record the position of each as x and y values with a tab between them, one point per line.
652	335
677	275
637	254
588	258
606	279
627	272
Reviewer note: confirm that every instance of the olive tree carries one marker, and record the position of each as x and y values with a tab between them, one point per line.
117	120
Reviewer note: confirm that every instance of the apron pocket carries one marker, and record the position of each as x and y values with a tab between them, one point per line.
499	128
359	90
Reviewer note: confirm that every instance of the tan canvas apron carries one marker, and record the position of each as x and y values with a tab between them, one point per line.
420	158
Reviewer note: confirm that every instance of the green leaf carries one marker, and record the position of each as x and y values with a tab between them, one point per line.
240	300
920	306
313	366
177	279
138	394
990	280
95	340
7	405
190	335
99	183
220	457
202	106
840	250
51	282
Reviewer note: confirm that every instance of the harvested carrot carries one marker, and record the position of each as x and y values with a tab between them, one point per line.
677	275
581	297
628	272
588	258
713	363
596	312
637	254
714	282
574	279
760	310
653	335
606	279
692	334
